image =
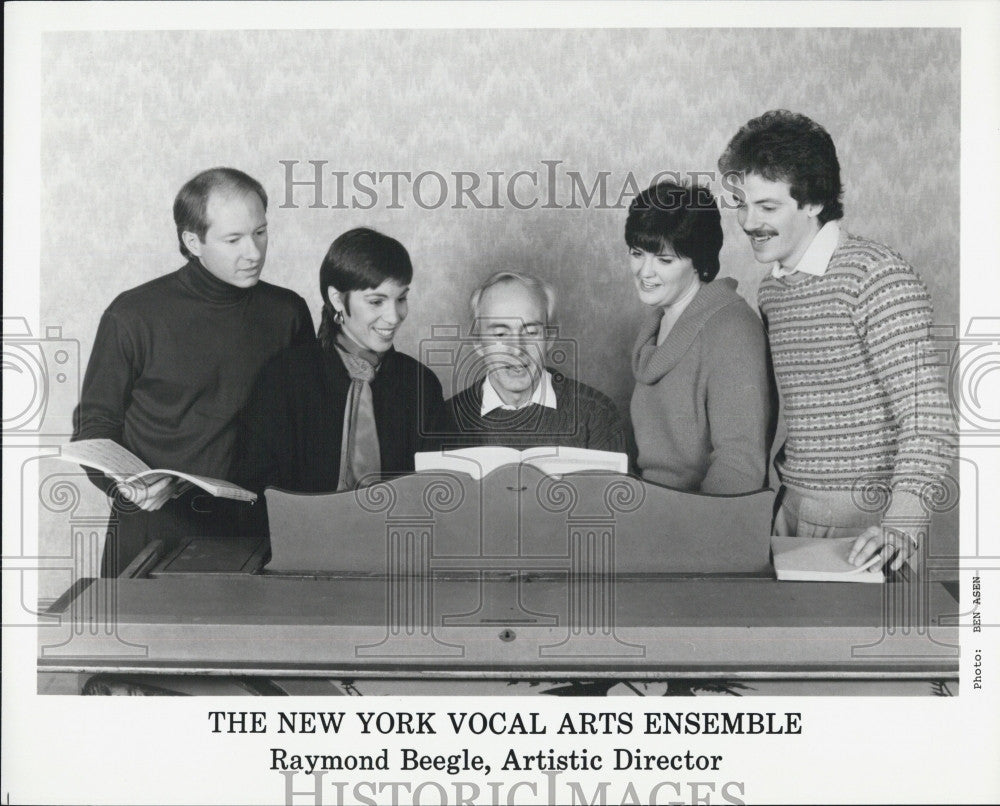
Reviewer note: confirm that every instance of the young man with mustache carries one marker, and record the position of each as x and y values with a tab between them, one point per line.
846	318
174	361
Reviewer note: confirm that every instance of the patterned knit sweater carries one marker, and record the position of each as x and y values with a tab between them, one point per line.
861	402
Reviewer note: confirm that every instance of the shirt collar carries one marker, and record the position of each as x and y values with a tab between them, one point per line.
544	395
817	255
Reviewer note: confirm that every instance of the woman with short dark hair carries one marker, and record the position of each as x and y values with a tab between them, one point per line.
704	406
349	410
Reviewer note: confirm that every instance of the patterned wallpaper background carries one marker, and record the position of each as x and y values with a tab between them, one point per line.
127	117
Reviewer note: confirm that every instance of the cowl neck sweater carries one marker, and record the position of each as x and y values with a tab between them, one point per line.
650	361
702	408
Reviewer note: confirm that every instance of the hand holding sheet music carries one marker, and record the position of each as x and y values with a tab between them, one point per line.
822	559
892	546
147	487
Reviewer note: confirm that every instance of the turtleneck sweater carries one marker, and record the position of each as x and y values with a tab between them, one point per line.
704	406
173	363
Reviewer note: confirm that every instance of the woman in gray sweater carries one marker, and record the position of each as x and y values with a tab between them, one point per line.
704	405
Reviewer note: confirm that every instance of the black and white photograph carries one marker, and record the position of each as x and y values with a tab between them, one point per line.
501	365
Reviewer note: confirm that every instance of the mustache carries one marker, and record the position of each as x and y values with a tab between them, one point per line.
760	233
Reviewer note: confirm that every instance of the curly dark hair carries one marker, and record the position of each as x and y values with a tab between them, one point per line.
784	146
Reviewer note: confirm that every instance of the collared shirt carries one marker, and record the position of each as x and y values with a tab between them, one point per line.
544	395
817	255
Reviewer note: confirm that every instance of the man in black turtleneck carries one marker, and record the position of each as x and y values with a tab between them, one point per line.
174	361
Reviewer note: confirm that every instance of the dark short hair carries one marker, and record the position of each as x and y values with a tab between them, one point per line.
359	259
784	146
191	204
684	217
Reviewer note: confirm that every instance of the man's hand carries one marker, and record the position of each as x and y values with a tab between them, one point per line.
895	545
151	494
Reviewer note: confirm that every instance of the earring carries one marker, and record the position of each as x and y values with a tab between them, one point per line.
338	317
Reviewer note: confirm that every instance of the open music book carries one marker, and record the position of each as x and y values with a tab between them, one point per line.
126	468
821	559
550	460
